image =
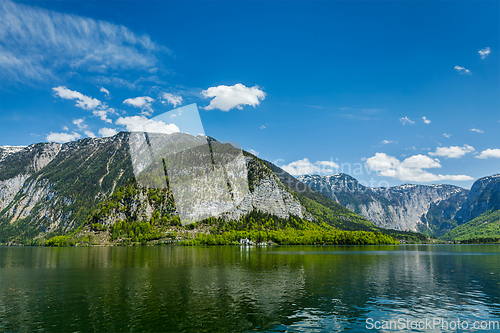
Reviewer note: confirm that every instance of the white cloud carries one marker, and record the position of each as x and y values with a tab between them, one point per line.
462	70
405	120
227	97
63	137
493	153
476	130
104	90
410	169
300	167
427	121
38	45
98	108
304	167
385	142
453	151
65	128
103	113
421	162
446	135
79	123
381	162
143	124
254	152
143	102
484	52
90	134
172	99
82	101
105	132
262	127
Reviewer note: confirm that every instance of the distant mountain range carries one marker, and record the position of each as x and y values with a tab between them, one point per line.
50	189
431	209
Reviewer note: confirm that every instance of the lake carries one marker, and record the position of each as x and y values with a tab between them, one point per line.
235	289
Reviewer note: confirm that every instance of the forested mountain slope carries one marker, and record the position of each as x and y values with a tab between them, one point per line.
51	189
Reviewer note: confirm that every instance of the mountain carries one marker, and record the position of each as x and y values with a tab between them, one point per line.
87	188
51	188
420	208
484	196
479	216
431	209
485	226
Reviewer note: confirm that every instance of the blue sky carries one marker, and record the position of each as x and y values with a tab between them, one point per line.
316	87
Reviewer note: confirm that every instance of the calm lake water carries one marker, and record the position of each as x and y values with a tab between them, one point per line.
235	289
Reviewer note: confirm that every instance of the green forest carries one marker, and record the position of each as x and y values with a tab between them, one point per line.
256	226
482	229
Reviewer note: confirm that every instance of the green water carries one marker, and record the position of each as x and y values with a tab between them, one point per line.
234	289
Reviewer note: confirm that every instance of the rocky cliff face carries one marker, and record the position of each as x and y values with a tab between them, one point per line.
268	195
7	150
404	207
17	164
49	188
484	196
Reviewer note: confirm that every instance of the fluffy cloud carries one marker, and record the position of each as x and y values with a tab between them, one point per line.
304	167
385	142
476	130
427	121
63	137
493	153
90	134
143	102
420	162
462	70
105	132
103	114
405	120
453	151
411	169
226	98
79	123
143	124
382	162
104	90
446	135
38	45
171	99
82	101
484	52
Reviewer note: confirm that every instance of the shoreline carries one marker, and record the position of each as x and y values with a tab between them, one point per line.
235	245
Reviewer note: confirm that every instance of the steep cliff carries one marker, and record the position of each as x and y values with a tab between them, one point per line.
422	208
51	189
484	196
